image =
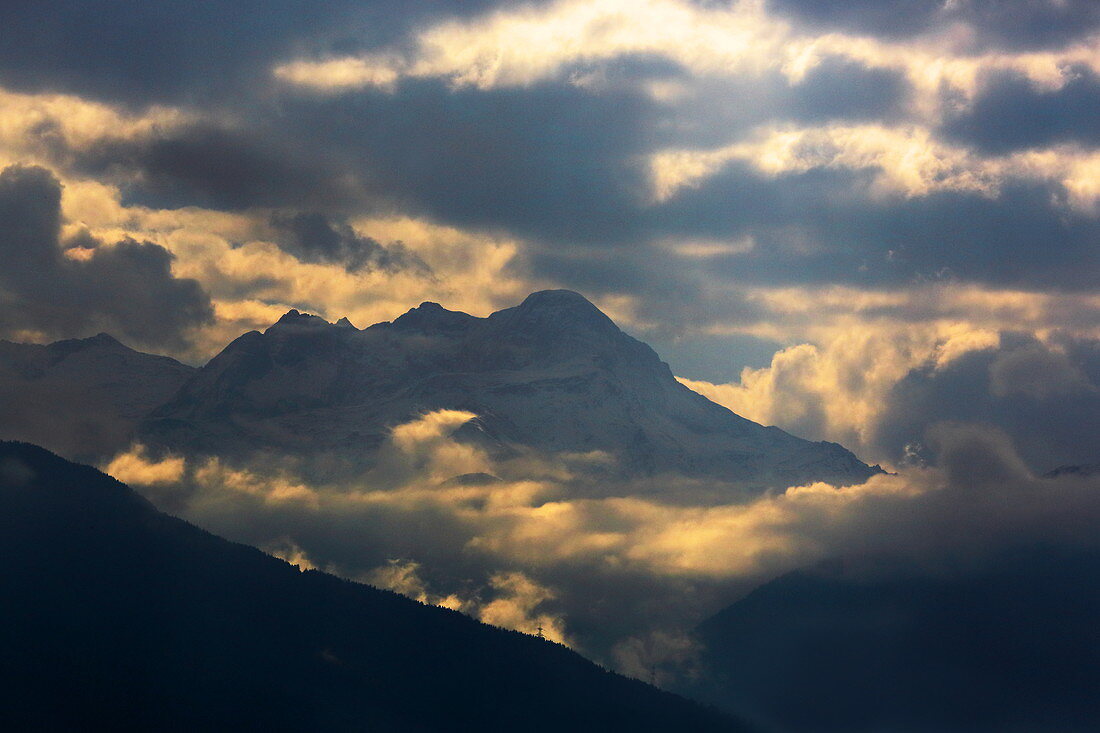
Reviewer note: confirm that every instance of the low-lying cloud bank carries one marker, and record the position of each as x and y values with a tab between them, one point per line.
622	578
879	388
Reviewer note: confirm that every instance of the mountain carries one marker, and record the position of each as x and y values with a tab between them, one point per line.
1010	645
118	617
81	397
553	375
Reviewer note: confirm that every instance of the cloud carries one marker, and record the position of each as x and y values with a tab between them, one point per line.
423	449
621	577
1043	395
983	23
660	657
213	165
906	162
876	383
837	390
136	467
839	88
74	288
312	237
836	221
1010	113
551	163
737	123
516	607
531	44
510	600
403	576
889	210
52	128
171	52
578	42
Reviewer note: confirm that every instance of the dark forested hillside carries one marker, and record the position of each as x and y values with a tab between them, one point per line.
1009	644
115	616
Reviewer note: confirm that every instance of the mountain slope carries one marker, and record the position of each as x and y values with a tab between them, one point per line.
553	374
1011	646
81	397
118	617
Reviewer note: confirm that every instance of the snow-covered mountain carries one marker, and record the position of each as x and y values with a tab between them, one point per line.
81	397
553	375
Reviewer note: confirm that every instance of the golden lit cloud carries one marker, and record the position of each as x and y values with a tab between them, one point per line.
402	576
908	162
252	281
850	347
522	554
526	44
32	124
517	604
136	467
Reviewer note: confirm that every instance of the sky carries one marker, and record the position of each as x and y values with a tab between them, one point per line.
817	212
860	221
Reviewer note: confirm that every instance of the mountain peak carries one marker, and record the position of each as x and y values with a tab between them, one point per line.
557	299
344	322
296	319
103	339
99	341
558	311
432	316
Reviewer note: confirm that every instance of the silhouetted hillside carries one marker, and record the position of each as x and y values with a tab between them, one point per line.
114	616
1012	646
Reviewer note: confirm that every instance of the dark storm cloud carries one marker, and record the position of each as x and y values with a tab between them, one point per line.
127	288
313	237
1023	24
891	18
550	161
1029	24
1011	114
823	226
839	89
216	167
559	166
717	110
1047	401
142	51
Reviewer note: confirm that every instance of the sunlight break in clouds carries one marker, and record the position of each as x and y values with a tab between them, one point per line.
838	390
521	46
527	44
851	347
252	282
909	162
33	125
